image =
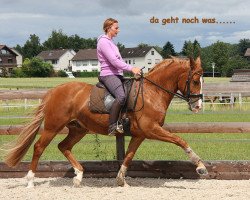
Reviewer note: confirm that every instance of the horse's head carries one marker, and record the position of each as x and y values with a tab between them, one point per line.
190	84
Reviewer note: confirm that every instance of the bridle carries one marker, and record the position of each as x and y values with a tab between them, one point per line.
188	97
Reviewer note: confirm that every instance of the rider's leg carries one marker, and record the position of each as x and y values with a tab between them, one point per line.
115	87
114	126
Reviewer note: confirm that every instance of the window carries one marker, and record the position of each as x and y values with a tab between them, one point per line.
10	60
157	61
94	62
94	70
129	61
149	69
152	53
1	60
133	61
78	63
149	61
3	51
10	70
54	61
84	63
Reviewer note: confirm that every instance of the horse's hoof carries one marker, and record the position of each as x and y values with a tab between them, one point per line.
30	185
121	182
76	182
202	171
126	185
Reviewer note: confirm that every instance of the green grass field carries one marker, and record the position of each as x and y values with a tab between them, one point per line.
214	146
209	146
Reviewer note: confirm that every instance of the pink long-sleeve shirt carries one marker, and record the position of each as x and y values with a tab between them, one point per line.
110	58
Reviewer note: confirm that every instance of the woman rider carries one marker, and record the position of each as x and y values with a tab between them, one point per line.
112	67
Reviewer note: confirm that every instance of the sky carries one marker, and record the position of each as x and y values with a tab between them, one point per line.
20	18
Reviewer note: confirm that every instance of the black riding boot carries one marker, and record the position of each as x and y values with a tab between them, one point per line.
114	127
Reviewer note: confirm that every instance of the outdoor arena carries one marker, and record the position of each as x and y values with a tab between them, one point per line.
148	179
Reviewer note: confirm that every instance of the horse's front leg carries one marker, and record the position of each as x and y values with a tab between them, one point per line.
200	169
134	143
159	133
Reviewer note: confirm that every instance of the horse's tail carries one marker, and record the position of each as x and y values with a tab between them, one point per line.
17	149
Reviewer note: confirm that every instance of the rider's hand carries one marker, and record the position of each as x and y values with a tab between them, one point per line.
136	70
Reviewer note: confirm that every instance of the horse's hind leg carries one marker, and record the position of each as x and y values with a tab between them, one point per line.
74	136
39	147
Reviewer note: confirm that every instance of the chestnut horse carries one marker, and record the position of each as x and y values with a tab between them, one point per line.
70	101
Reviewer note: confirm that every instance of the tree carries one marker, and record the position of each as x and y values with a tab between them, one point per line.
120	46
3	72
57	40
89	43
190	49
207	58
236	62
168	50
31	48
220	55
19	49
75	42
197	49
184	48
35	67
242	46
141	45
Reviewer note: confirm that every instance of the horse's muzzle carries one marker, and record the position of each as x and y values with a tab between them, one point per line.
195	105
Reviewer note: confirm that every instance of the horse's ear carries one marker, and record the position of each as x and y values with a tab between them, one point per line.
198	61
192	62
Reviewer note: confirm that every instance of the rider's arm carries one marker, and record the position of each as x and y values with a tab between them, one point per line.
111	53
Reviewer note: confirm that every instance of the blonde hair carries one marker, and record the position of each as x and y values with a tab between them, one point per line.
108	23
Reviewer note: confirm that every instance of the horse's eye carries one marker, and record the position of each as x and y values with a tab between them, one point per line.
196	82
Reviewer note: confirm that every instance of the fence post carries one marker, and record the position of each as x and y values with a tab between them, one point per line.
120	147
203	103
25	104
232	100
240	100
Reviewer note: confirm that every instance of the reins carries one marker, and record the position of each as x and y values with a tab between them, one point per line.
168	91
186	97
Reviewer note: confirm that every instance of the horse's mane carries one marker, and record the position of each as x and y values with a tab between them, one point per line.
168	62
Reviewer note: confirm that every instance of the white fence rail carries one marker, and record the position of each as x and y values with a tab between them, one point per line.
210	100
232	95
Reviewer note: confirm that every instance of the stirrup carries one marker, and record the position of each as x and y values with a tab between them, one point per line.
116	128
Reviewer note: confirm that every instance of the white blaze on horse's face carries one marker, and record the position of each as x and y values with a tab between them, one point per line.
196	105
